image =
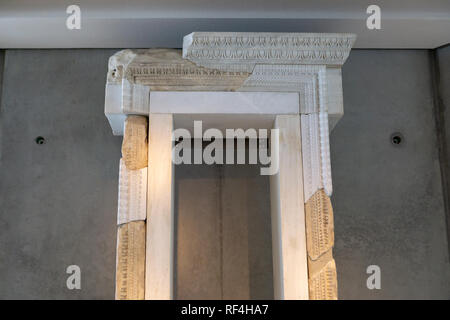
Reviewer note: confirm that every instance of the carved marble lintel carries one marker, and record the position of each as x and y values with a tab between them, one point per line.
166	70
293	62
273	62
241	51
308	80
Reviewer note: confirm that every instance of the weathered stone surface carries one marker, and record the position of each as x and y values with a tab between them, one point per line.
134	145
323	283
130	263
319	224
319	242
166	70
314	266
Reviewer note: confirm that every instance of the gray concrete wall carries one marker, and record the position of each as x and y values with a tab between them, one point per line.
2	63
442	103
388	200
58	200
224	243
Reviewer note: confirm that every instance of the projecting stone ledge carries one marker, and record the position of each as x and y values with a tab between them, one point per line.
241	51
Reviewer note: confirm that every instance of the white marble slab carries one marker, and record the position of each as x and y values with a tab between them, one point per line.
132	194
224	102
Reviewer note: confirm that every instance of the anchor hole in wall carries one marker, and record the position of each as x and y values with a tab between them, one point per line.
39	140
397	139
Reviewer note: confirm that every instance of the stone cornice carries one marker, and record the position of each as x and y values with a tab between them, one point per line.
236	51
165	69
